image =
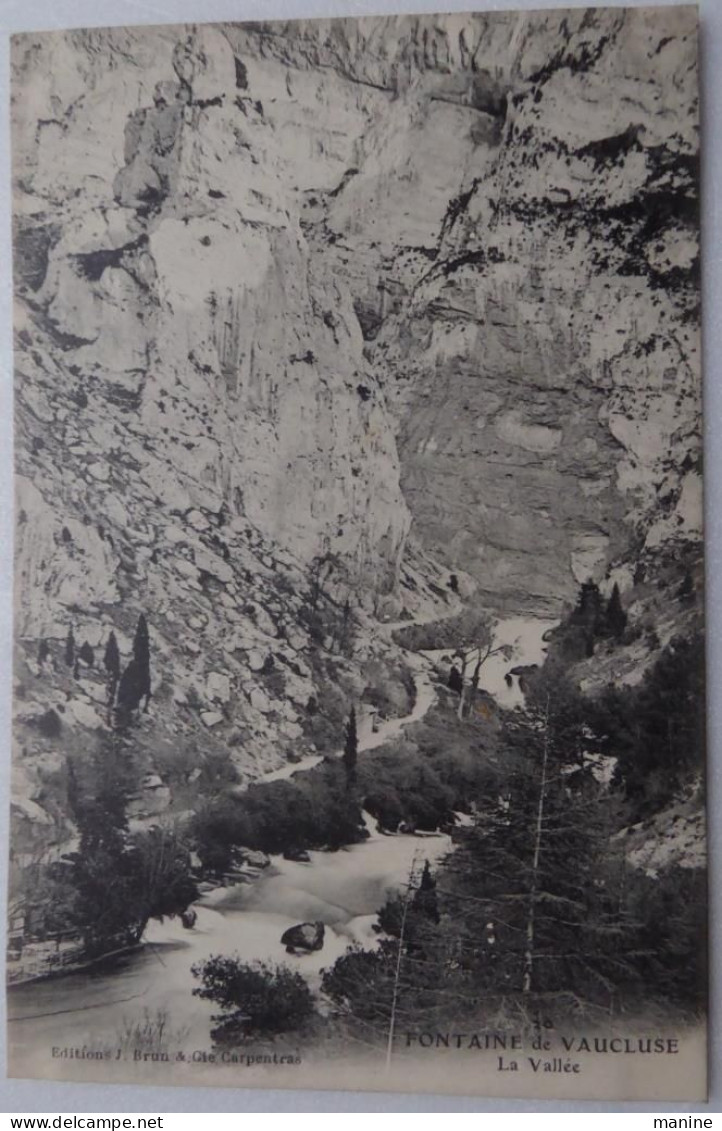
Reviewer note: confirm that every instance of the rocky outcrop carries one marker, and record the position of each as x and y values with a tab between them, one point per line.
538	327
231	383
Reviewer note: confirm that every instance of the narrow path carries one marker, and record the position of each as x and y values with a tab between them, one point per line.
387	729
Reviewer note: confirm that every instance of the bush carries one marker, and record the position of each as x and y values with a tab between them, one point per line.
361	982
385	805
255	996
314	811
49	724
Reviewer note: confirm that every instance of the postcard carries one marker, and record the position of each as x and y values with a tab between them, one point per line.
359	637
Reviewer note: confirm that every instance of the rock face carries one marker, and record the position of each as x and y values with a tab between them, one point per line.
284	291
231	383
304	938
536	309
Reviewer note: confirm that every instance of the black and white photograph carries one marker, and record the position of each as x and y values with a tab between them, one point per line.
359	663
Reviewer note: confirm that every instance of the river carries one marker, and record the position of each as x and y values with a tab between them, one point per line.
342	889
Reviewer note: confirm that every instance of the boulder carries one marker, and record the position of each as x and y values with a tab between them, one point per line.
260	701
253	858
189	918
211	718
298	855
256	660
304	938
218	686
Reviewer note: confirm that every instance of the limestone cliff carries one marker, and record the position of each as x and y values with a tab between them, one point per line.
530	292
287	292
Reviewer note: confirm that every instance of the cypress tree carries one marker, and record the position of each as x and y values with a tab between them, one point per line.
70	648
350	749
616	616
589	614
134	683
141	655
111	659
425	901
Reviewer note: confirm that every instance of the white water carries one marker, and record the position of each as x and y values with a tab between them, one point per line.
343	889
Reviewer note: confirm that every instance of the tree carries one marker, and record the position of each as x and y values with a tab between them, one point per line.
425	901
589	614
479	646
254	996
141	655
134	683
350	748
43	651
70	648
111	659
130	693
122	879
656	730
398	982
455	683
484	654
102	869
161	869
616	617
86	654
538	910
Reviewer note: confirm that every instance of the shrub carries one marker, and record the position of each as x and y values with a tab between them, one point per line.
361	982
49	724
385	805
254	996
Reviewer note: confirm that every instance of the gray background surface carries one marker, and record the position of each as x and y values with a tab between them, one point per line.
25	15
